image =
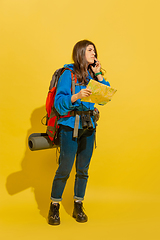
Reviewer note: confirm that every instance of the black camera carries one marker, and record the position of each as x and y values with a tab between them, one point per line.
86	121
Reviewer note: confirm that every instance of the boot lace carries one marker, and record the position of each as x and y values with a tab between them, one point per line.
80	210
55	209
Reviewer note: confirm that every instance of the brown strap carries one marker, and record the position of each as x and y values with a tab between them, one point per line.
73	82
51	128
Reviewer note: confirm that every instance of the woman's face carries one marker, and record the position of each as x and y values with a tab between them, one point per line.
90	54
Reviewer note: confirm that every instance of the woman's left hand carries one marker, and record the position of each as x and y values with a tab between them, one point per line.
97	68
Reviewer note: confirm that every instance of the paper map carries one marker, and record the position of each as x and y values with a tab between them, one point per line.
101	93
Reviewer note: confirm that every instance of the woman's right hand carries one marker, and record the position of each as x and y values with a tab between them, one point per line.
83	93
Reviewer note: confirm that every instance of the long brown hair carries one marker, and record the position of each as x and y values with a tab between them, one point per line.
80	62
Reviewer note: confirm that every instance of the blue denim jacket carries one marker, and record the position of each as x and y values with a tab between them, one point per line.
63	96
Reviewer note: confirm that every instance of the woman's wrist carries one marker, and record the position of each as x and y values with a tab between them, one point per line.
98	73
100	77
74	97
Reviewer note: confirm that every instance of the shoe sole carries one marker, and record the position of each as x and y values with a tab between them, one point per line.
53	223
80	221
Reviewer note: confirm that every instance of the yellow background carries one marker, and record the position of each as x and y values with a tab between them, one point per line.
123	193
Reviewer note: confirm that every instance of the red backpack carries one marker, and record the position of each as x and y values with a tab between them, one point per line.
52	114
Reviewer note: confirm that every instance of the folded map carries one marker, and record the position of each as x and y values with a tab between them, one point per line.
101	93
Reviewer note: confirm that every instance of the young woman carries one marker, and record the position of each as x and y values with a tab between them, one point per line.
86	66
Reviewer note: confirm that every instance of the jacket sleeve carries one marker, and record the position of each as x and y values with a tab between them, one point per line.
62	101
105	82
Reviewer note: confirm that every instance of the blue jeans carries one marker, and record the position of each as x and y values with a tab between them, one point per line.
82	148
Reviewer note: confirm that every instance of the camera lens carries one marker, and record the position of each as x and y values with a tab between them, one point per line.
90	126
84	122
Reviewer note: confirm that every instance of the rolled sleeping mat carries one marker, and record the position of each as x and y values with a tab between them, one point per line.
39	141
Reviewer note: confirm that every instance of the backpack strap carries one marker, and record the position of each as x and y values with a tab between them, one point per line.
76	125
77	117
74	80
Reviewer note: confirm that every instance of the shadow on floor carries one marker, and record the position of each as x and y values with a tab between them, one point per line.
38	169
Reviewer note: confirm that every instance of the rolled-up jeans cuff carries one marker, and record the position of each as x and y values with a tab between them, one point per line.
56	199
78	198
